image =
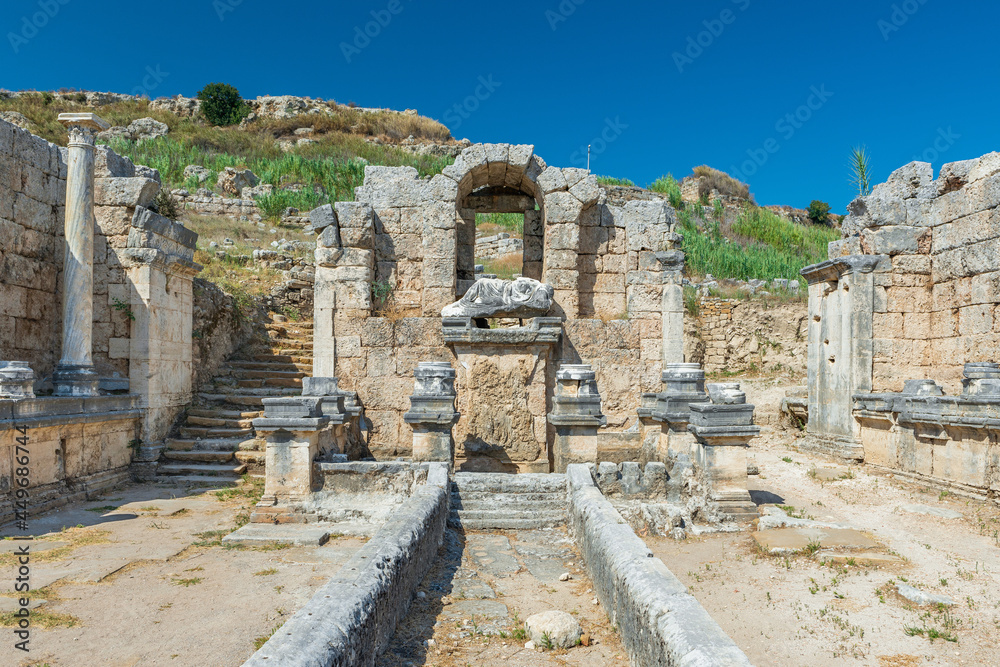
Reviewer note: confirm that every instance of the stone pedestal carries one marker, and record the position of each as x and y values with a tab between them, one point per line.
296	431
981	379
432	413
75	374
17	380
576	415
683	387
723	430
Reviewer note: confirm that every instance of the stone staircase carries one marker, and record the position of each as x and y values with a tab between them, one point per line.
217	442
497	501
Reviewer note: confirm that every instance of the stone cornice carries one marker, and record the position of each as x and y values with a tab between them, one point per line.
834	269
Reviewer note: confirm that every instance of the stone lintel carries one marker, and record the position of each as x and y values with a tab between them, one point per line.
577	420
540	331
834	269
89	120
271	424
434	418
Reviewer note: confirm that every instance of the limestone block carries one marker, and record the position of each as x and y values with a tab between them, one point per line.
572	176
34	214
113	220
644	298
353	295
439	272
496	156
562	237
984	167
908	180
549	181
395	193
895	240
441	244
443	189
561	279
334	257
125	191
646	224
561	259
562	207
517	164
477	164
587	191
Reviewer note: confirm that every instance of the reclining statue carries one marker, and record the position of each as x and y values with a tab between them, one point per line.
491	297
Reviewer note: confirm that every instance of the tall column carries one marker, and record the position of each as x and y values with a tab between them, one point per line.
75	374
672	262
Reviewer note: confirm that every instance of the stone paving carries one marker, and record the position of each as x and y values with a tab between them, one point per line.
472	604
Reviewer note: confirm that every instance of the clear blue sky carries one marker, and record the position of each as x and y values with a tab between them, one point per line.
562	74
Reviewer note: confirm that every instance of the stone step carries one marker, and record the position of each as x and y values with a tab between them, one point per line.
305	324
269	382
218	413
262	392
201	469
232	399
208	480
508	498
227	433
206	445
268	366
266	374
216	422
292	343
294	352
198	455
251	457
285	358
509	505
504	483
505	520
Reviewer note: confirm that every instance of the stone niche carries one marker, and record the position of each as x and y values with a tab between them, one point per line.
613	271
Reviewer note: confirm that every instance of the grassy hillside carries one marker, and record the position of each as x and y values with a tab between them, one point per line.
327	170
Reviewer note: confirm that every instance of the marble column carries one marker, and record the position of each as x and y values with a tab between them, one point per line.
75	374
672	310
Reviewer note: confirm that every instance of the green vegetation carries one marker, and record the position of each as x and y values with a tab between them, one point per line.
491	223
861	176
819	212
611	180
713	179
222	104
758	245
669	186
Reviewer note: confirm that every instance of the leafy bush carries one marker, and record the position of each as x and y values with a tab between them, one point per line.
668	185
222	104
166	205
713	179
819	212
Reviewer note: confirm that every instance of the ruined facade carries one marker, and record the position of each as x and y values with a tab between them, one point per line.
95	307
903	336
617	301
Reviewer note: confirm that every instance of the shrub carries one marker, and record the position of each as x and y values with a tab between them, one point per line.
669	186
166	205
222	104
713	179
819	212
611	180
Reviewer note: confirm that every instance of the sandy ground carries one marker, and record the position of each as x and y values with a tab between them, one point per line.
797	611
471	605
143	580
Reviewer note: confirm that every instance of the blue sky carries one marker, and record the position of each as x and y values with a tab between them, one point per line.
777	92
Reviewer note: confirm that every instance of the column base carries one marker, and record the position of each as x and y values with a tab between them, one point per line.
72	380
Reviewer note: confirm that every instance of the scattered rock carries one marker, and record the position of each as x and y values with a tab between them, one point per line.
558	627
933	511
197	171
142	129
262	190
530	645
917	596
233	180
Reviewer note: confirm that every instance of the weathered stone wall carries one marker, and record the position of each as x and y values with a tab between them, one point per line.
934	306
746	336
498	245
351	619
32	211
659	621
415	239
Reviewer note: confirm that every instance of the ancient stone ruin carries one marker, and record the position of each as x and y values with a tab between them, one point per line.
442	401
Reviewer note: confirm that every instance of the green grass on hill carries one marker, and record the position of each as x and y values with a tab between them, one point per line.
777	248
492	223
611	180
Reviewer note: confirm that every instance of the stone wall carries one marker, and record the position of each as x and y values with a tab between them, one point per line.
614	278
32	210
659	621
351	619
498	245
741	336
935	295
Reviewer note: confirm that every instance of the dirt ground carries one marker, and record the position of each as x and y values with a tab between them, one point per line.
471	607
795	610
140	578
